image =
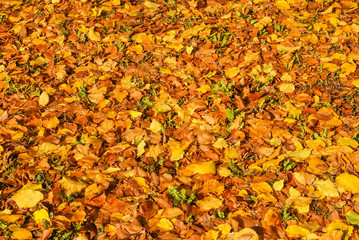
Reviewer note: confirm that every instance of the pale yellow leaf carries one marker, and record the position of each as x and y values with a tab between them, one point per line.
135	114
44	99
27	198
155	126
278	185
141	148
327	188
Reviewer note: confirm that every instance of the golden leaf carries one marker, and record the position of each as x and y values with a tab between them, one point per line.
327	188
134	114
348	68
261	187
278	185
40	215
220	143
232	72
72	186
27	197
154	151
203	168
21	234
296	231
212	186
338	225
348	142
44	99
165	224
93	35
355	83
106	126
204	89
245	233
138	49
348	182
209	203
141	148
287	87
282	5
52	123
331	67
151	4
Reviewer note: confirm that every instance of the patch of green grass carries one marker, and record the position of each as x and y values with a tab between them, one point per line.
182	196
286	215
288	165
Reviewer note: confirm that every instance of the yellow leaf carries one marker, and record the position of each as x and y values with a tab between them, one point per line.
224	228
165	224
287	87
138	49
348	142
44	99
154	151
27	197
135	114
203	168
278	185
72	186
286	77
210	235
348	68
21	234
295	231
338	225
40	215
348	182
331	67
176	46
53	123
204	89
116	2
106	126
209	203
317	166
151	4
224	171
299	154
282	5
245	233
141	148
261	187
232	72
355	83
327	188
212	186
220	143
93	35
155	126
189	50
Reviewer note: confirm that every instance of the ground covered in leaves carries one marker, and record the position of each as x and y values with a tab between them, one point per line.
170	119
